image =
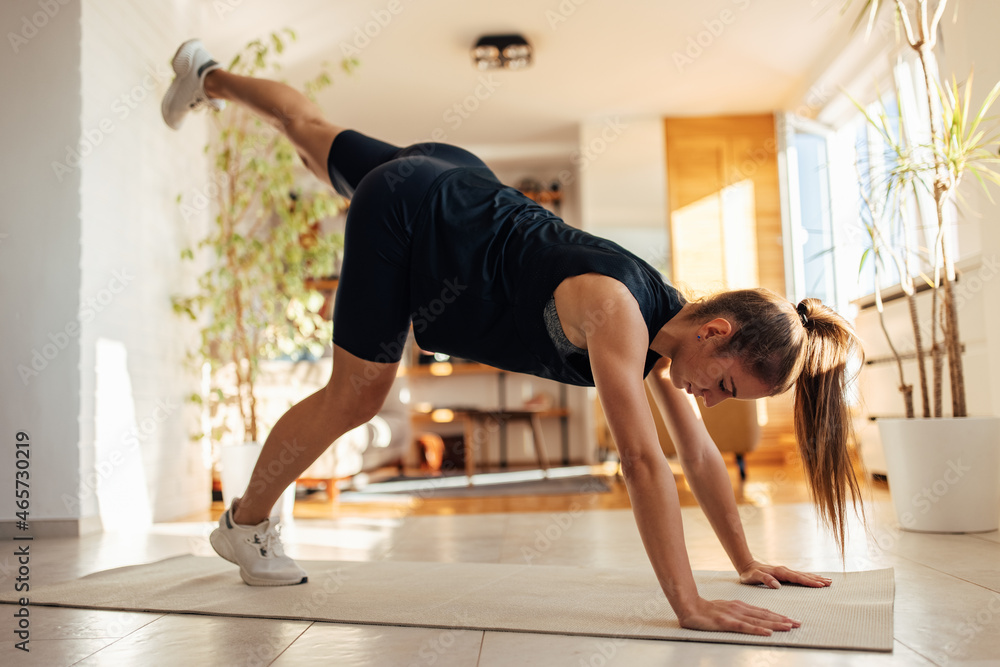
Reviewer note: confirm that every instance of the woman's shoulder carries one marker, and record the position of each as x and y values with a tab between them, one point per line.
594	289
592	300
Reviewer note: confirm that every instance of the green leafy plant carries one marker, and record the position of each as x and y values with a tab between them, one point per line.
265	244
959	144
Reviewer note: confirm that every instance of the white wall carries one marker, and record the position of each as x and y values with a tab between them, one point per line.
623	184
971	40
88	259
132	236
40	254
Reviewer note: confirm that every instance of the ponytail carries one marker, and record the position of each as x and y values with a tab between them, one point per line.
822	416
806	348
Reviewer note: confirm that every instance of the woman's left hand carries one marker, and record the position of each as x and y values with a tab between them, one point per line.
772	576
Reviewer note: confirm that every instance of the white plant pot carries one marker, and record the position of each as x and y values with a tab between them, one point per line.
235	467
944	474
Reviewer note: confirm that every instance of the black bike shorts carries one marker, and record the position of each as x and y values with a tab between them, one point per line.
386	185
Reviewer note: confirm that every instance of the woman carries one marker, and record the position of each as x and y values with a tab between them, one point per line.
483	273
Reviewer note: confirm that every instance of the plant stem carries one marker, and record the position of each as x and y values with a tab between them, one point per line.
911	302
936	355
905	389
955	364
904	18
943	188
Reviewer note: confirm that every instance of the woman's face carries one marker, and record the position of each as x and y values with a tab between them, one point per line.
699	370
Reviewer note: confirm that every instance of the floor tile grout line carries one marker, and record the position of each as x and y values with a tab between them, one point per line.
482	641
947	574
91	655
297	638
927	658
983	586
118	639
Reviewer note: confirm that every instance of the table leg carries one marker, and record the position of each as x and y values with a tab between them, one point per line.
536	435
470	448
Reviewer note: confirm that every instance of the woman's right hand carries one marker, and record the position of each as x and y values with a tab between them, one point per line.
734	616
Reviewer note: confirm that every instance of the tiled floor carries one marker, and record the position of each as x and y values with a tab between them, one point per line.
947	608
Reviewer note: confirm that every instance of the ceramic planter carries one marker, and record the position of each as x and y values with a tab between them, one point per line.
944	474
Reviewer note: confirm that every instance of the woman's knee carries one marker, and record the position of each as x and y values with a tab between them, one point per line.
339	413
312	137
310	130
364	410
358	402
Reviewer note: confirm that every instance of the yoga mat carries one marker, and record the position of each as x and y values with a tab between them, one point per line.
458	487
854	613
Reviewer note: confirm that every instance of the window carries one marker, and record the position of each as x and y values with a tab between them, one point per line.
814	215
836	182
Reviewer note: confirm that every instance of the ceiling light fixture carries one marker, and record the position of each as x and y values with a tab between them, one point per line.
501	51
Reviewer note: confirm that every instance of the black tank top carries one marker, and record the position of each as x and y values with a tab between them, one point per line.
485	261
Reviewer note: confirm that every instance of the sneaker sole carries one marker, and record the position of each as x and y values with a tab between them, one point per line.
251	581
221	546
181	62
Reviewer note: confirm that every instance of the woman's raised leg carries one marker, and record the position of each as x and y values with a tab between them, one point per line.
287	109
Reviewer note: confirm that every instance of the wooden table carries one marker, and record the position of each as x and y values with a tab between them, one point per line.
478	421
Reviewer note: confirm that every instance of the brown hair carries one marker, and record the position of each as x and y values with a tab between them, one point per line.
806	346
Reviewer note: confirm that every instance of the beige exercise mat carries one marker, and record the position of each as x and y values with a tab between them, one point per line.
854	613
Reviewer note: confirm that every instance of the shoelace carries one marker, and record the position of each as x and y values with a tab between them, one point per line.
269	542
205	102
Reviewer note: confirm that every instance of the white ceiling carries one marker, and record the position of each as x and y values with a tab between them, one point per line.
592	58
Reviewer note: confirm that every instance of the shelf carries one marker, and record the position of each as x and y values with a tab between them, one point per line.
439	369
460	413
544	196
322	283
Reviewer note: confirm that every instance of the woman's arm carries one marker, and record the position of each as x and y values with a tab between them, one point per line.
708	478
702	463
617	355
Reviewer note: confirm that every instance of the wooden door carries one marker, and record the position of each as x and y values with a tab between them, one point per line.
725	225
724	203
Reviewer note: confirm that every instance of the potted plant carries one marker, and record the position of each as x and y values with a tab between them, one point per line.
255	301
944	471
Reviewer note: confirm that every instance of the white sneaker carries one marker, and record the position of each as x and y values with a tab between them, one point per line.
187	92
257	550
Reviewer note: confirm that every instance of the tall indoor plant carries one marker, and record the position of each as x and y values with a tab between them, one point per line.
253	301
944	471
